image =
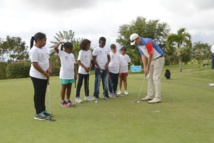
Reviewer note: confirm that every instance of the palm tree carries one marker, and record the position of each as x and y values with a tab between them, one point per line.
66	36
181	40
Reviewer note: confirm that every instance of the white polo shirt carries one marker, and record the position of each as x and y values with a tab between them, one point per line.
212	49
124	62
67	65
101	54
85	57
114	64
41	56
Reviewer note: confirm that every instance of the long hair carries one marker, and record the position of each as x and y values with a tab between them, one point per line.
37	36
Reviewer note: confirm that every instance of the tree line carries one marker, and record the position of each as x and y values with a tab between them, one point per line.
178	47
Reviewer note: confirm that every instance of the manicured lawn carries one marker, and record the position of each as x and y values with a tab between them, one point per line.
186	114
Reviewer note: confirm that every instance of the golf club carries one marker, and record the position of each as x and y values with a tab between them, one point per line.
49	94
137	101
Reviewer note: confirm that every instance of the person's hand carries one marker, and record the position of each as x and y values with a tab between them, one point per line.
47	76
62	42
106	66
87	69
101	71
146	70
49	71
75	76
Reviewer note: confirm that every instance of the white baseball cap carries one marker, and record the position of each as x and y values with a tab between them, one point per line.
133	38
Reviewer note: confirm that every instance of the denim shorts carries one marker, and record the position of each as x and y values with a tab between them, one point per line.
67	81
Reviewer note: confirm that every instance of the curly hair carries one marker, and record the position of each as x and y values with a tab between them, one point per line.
84	43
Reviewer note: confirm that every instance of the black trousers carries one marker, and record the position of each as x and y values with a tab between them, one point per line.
40	86
82	77
113	82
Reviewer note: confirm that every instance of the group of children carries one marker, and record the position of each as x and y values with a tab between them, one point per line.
109	67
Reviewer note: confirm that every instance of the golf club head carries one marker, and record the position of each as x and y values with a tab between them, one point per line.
52	120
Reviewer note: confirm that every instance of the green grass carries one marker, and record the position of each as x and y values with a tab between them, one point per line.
184	116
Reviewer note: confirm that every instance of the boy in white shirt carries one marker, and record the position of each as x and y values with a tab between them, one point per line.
101	60
67	71
113	68
124	62
84	61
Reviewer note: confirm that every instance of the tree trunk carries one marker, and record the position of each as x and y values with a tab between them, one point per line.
180	63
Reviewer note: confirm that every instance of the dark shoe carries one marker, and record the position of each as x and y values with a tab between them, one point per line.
47	114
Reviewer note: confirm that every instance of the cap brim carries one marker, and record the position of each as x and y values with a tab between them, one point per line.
132	43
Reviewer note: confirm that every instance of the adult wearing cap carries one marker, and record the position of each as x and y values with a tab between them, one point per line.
153	61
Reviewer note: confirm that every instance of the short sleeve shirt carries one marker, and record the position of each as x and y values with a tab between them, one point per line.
67	65
41	56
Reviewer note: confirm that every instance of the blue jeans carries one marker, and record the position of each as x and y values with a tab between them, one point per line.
98	77
113	82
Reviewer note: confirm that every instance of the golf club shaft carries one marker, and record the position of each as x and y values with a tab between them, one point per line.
141	86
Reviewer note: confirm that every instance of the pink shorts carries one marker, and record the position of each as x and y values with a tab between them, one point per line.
124	74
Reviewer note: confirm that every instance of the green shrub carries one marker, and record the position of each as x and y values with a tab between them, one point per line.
55	70
3	67
18	70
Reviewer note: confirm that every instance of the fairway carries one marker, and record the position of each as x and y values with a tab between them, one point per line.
184	116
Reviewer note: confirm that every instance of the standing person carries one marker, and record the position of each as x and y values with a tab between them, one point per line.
212	51
153	61
67	71
124	63
113	68
40	73
101	60
84	62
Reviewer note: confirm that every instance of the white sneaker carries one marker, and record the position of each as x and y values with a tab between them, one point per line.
119	92
88	98
146	98
155	100
126	92
78	100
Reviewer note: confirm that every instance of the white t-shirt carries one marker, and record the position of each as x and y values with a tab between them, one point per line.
124	62
101	54
67	65
85	57
212	49
114	64
41	56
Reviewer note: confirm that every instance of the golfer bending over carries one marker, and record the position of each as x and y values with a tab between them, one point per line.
153	61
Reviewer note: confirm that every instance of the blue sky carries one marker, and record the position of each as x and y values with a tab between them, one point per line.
94	18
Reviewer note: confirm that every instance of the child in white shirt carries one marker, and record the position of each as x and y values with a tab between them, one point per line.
84	62
113	68
124	62
101	60
67	71
40	73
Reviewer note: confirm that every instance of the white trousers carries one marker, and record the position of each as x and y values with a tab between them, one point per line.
154	77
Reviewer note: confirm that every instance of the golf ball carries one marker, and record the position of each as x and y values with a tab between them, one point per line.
96	101
138	101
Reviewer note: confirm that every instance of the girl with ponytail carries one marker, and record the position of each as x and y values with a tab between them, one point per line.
40	73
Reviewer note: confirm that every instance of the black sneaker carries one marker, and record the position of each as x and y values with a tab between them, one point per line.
40	116
47	114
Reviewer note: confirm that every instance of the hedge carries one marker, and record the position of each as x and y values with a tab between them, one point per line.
18	70
3	67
